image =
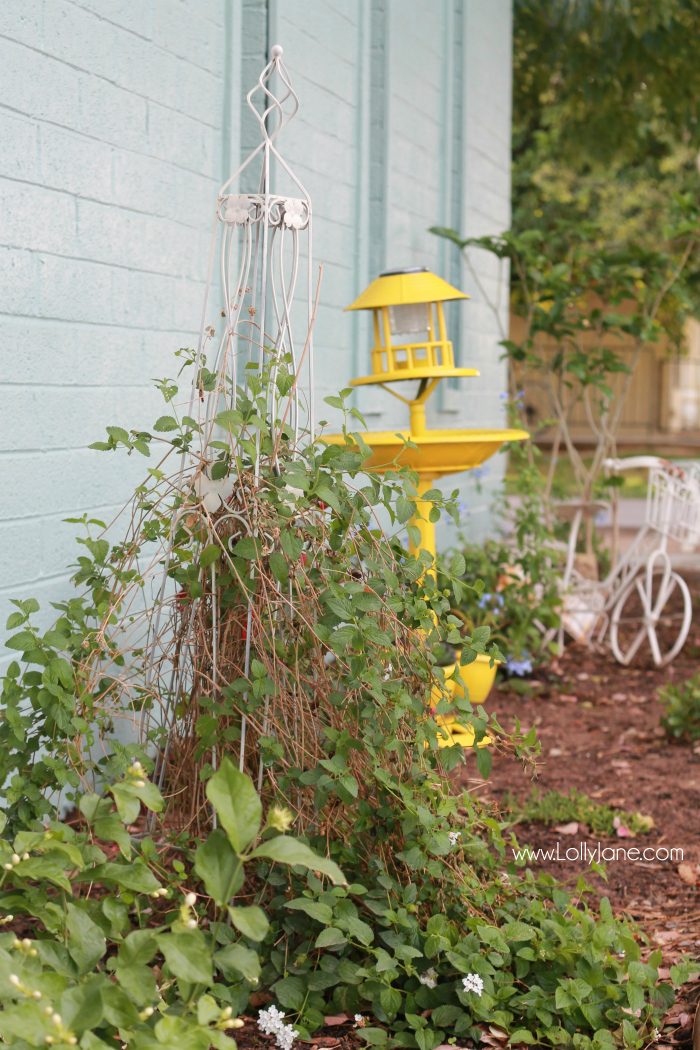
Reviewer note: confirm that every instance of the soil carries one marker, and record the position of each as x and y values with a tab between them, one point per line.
600	733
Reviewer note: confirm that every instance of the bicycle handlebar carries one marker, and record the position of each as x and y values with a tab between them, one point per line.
617	466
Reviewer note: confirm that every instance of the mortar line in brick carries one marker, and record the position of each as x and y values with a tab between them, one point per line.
102	201
15	588
148	39
47	384
98	324
59	516
113	83
107	142
101	262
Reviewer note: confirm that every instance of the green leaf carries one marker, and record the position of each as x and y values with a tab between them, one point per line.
404	509
290	992
237	805
291	545
129	794
86	942
187	955
165	423
314	909
229	419
484	761
518	931
111	829
246	548
373	1036
328	496
279	567
210	554
250	921
237	959
134	876
219	867
287	850
81	1007
330	938
390	1001
22	641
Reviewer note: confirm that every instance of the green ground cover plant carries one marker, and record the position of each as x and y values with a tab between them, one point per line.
681	709
153	909
555	807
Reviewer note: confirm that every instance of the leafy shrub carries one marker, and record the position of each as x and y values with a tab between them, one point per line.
436	932
145	961
681	704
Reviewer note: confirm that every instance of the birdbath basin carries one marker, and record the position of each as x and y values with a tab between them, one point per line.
435	452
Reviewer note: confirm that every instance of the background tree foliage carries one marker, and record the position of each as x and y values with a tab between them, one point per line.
606	116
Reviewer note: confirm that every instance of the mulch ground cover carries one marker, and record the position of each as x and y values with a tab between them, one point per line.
600	733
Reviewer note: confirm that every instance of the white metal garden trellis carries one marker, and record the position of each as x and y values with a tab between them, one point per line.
261	240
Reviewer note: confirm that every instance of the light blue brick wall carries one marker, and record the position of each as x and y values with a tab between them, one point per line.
118	121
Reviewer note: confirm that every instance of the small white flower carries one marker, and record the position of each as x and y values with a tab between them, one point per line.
454	837
296	214
190	899
271	1022
429	978
473	983
285	1037
270	1019
237	209
360	1021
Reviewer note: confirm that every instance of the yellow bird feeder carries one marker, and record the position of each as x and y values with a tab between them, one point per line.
410	343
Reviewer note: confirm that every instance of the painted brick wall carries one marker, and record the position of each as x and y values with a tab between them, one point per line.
118	121
111	131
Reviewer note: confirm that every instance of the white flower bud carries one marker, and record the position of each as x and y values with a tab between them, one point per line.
191	900
15	858
14	980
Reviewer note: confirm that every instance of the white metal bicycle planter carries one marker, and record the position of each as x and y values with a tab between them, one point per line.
643	603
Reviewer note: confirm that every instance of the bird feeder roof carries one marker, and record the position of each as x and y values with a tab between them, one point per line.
405	287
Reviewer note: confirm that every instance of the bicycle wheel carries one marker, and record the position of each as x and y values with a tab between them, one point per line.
651	617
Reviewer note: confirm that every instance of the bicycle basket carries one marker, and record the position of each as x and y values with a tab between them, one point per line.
673	503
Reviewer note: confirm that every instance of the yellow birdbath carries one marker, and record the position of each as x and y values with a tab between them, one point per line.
411	344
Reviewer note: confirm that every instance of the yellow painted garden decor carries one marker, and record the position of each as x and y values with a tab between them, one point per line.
410	343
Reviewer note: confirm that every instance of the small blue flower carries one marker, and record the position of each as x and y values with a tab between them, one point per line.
488	600
479	472
463	507
519	667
